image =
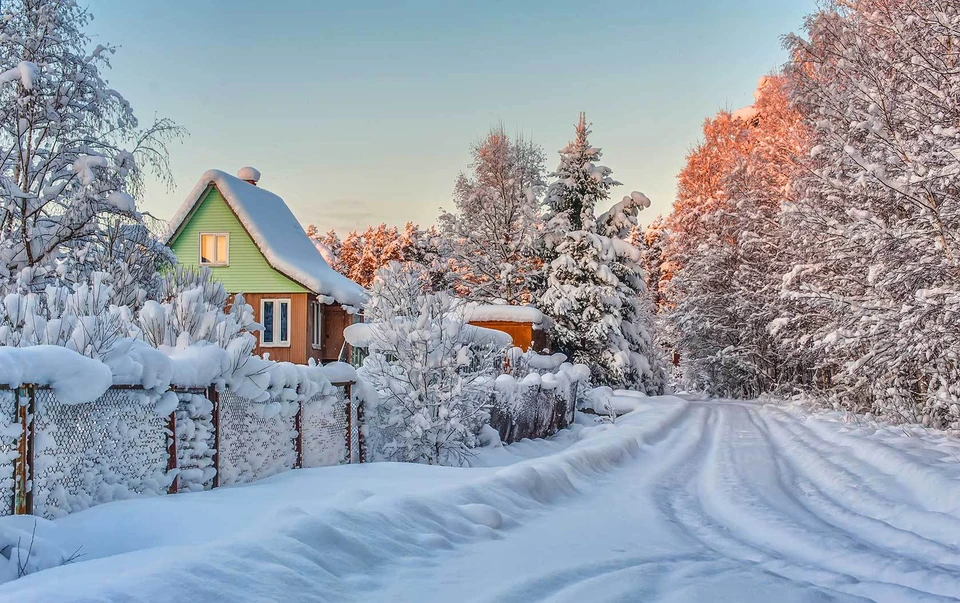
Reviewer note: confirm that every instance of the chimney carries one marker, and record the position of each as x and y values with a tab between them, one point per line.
249	174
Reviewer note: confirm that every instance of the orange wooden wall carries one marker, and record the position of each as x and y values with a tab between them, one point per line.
523	333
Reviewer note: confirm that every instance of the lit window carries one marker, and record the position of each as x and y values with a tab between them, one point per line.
275	318
317	314
214	249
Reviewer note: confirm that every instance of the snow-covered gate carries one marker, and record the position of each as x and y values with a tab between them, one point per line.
58	458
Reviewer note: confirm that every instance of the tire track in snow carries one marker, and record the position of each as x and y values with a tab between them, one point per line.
742	488
840	497
687	507
671	468
873	459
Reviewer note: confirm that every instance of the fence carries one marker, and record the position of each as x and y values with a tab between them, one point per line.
537	412
59	458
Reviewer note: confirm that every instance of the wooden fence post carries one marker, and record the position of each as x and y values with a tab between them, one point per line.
214	396
298	427
361	441
24	468
172	463
349	410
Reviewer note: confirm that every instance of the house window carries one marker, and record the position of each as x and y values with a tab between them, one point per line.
316	309
275	318
214	248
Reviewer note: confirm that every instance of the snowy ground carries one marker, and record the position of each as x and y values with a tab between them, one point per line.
682	500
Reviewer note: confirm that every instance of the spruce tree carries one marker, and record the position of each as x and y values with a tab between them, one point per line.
580	182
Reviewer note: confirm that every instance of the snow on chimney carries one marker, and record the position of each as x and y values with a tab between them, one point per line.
249	174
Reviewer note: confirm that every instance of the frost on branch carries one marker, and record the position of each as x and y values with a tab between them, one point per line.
495	236
72	159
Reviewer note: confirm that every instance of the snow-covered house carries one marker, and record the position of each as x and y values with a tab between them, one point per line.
526	325
254	245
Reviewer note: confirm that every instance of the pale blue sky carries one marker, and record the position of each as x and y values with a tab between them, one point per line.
361	112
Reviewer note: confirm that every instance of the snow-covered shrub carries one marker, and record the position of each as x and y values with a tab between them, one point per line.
22	552
433	372
195	442
537	396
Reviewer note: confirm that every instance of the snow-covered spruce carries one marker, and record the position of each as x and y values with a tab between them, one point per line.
579	181
601	312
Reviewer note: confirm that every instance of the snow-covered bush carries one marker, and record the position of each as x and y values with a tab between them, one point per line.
432	371
537	395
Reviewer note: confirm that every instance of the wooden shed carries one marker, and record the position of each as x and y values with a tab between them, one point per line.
525	324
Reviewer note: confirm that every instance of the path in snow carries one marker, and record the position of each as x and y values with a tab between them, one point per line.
680	501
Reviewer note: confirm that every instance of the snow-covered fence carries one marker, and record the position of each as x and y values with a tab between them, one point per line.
537	396
57	457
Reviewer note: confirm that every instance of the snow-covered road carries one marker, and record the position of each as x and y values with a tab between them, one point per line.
679	501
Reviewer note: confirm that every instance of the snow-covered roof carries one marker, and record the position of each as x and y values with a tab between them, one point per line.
276	232
503	313
362	334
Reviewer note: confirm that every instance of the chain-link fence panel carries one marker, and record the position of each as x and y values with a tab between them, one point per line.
324	424
256	439
85	454
9	437
196	442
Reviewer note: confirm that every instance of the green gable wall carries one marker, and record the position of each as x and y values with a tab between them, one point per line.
248	271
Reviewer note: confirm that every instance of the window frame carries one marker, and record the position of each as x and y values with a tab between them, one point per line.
225	262
316	336
277	330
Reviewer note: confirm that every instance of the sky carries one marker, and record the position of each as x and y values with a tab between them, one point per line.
358	113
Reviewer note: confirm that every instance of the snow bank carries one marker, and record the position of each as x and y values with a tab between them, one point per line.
614	403
277	234
326	528
680	501
74	378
